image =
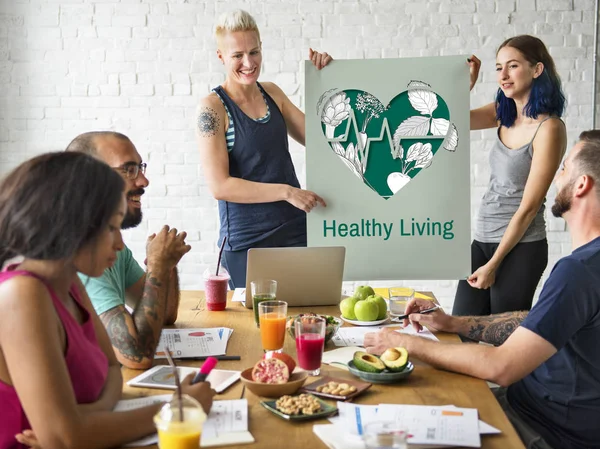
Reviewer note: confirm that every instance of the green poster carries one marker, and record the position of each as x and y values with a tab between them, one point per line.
387	145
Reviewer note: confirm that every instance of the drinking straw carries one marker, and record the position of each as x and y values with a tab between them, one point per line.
177	382
220	254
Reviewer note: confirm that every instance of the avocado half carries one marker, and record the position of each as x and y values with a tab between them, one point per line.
367	362
395	359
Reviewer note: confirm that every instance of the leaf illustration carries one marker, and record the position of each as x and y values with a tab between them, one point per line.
439	126
338	148
413	126
352	168
423	101
350	152
451	141
425	157
416	84
414	151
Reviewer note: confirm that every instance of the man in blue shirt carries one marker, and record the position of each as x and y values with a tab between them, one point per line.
152	295
548	358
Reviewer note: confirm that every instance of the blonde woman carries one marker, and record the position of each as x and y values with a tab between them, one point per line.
242	129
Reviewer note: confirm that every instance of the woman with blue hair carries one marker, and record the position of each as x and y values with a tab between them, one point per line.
510	252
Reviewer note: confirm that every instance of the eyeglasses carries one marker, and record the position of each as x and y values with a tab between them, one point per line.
132	170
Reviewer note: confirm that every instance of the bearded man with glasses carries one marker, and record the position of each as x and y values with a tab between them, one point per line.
152	295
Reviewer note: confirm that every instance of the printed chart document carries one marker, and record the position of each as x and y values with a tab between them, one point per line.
227	422
162	377
435	425
186	343
430	426
355	336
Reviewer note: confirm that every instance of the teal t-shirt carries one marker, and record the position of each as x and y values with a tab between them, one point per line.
108	290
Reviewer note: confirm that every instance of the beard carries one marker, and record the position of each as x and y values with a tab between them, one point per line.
133	217
562	202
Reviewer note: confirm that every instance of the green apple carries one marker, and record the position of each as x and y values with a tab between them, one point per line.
347	307
381	304
366	310
363	291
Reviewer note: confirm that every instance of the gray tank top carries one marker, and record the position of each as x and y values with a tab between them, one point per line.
509	173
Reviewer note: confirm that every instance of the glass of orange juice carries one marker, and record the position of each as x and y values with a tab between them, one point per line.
177	430
272	317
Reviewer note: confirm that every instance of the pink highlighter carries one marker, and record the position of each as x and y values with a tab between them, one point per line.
205	370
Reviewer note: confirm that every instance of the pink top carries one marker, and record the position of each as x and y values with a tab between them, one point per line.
87	365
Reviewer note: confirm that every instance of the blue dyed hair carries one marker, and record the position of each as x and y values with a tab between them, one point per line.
546	95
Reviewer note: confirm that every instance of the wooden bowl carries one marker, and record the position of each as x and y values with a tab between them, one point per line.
274	390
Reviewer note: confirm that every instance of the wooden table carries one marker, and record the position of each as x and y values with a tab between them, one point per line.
426	385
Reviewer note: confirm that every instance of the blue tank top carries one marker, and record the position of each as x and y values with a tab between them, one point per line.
260	153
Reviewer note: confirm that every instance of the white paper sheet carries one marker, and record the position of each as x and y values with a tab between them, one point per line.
344	431
435	425
193	342
227	422
355	336
239	295
341	356
131	404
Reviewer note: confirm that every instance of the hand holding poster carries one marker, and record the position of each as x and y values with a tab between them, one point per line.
388	149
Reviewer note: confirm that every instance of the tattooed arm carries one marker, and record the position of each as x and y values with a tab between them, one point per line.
211	125
493	329
135	336
173	297
519	352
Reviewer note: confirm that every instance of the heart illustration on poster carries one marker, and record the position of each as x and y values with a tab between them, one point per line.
387	146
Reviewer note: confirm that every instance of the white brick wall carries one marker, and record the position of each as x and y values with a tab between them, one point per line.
140	66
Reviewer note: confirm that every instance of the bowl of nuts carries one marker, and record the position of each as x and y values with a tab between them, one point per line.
336	388
299	408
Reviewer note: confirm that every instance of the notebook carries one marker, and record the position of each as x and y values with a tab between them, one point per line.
305	276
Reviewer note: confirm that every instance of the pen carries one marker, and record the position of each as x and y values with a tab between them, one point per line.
205	370
431	309
218	357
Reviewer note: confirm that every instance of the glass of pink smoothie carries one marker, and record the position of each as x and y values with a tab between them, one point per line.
215	288
310	342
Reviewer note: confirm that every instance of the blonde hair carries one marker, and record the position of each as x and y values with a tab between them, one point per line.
232	21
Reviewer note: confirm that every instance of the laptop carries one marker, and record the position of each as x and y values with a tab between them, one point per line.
305	276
